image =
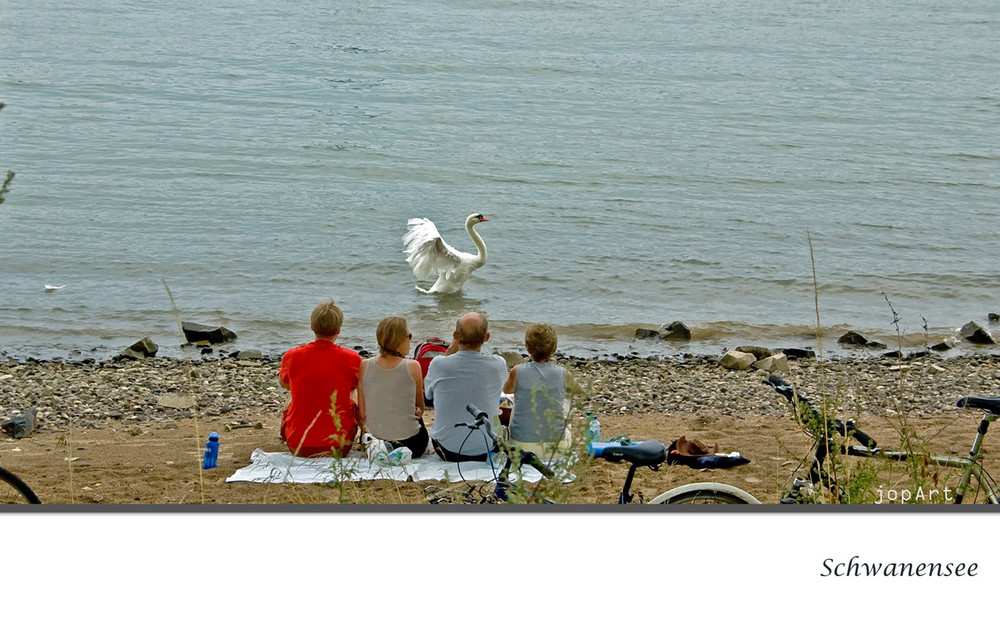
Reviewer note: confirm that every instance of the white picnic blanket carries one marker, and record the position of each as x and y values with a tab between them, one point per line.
282	467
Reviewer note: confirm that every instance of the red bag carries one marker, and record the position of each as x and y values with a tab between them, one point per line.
427	350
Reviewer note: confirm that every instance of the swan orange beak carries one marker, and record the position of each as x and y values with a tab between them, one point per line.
483	219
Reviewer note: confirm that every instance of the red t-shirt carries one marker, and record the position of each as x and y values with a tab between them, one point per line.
320	373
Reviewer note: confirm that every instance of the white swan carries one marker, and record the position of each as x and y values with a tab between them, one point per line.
429	255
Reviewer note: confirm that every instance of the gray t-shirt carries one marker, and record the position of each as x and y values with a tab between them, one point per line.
453	382
538	403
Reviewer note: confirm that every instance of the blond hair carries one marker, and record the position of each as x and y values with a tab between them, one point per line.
390	334
541	340
326	319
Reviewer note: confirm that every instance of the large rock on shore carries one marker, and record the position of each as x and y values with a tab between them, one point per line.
759	352
737	360
196	333
773	364
974	333
21	425
797	353
675	331
511	358
852	338
141	349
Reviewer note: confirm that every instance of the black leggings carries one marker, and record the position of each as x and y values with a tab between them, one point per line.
416	443
450	456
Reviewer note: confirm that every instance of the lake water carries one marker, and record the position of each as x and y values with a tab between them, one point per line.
640	162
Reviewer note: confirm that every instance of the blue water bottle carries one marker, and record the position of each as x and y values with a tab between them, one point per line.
211	451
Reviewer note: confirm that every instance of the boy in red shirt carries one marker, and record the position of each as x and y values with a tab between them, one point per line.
321	375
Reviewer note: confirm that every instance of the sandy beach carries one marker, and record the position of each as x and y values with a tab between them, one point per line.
133	432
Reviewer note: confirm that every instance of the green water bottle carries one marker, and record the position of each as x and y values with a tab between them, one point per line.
593	430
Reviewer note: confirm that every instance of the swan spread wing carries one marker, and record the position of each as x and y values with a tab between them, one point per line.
427	253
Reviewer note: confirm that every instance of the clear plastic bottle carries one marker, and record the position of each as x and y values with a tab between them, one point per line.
593	430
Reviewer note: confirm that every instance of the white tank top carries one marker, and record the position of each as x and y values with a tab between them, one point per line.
389	401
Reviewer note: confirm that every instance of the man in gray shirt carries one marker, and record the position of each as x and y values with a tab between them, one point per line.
461	376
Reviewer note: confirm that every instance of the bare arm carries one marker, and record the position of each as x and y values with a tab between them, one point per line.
362	415
508	387
418	405
572	386
288	402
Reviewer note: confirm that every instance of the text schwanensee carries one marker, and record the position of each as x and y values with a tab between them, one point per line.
856	568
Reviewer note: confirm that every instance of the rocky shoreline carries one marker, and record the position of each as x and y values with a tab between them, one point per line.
238	392
209	342
133	431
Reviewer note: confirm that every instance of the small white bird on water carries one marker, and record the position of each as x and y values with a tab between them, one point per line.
52	288
430	256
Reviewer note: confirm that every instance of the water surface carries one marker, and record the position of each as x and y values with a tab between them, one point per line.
640	163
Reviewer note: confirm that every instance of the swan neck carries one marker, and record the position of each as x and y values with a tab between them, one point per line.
477	240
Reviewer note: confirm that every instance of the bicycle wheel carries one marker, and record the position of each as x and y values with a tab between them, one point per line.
13	490
706	493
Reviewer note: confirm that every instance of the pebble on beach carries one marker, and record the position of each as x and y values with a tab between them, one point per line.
242	392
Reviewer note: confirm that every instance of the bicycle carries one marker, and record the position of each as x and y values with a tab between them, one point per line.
14	490
649	453
823	431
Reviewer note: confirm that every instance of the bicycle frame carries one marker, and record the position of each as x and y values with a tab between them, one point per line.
969	466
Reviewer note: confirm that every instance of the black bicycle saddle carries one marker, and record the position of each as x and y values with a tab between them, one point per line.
991	404
645	453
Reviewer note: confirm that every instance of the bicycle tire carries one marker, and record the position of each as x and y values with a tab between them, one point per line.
706	493
13	490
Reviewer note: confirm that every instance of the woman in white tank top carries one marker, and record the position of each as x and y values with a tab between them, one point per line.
391	391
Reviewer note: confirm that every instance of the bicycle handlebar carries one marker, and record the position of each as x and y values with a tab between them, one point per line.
482	418
475	412
848	428
864	439
529	458
780	386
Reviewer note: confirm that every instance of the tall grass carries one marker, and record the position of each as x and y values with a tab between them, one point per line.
190	377
5	186
861	480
